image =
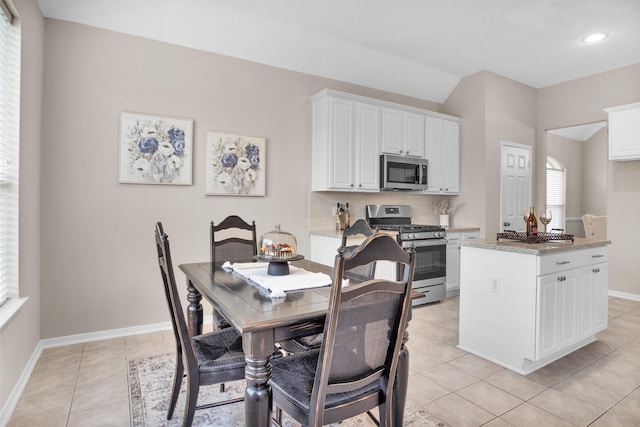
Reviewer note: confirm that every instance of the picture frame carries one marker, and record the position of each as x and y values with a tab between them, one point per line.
235	164
155	149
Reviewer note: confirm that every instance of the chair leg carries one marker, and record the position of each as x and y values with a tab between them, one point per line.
192	400
175	388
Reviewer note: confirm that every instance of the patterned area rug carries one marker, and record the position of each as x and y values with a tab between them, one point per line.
150	384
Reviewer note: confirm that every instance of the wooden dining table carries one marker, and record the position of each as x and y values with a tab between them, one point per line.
263	322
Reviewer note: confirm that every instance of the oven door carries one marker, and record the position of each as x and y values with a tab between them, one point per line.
431	260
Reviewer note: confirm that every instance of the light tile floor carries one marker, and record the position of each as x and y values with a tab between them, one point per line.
598	385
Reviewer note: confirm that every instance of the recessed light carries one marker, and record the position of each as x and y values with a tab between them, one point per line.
593	38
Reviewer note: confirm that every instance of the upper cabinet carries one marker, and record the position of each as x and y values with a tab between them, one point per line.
346	140
350	132
403	133
624	132
443	153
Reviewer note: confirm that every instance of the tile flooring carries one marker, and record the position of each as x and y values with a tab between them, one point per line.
598	385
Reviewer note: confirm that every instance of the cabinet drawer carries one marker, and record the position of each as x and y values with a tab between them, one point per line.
548	264
595	255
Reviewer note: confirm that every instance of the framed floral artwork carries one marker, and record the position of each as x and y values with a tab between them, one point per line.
235	165
155	149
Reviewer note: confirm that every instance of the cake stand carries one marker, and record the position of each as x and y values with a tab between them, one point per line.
278	266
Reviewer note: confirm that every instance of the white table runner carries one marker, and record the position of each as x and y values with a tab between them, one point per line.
297	279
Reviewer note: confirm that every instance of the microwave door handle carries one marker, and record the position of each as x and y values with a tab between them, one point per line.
418	175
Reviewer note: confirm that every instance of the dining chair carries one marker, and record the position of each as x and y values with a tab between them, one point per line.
354	369
210	358
358	228
233	249
595	227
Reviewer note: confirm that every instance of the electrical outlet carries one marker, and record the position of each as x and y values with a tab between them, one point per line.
494	285
334	210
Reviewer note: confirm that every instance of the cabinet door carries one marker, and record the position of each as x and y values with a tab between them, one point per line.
601	302
453	261
624	133
451	162
367	147
586	302
556	326
341	144
414	134
435	154
392	131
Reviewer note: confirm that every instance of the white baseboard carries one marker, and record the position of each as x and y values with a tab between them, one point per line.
14	397
625	295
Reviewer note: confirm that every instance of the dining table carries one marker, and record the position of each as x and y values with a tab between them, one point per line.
264	321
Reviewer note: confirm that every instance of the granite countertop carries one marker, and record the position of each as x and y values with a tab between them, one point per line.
460	229
536	248
338	234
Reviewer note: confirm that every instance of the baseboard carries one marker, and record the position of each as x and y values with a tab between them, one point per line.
625	295
14	397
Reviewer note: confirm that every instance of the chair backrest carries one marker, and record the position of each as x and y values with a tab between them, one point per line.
595	227
173	297
360	228
233	249
365	324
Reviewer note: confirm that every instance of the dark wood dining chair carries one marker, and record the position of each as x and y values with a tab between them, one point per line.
354	370
233	249
358	228
211	358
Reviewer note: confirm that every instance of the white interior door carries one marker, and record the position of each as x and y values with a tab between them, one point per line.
515	185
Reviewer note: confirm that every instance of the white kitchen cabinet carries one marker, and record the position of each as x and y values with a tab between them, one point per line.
453	259
403	133
624	132
443	154
525	306
346	137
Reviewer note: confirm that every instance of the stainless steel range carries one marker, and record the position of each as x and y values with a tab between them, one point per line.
428	241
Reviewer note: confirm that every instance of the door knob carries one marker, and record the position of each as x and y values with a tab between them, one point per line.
506	223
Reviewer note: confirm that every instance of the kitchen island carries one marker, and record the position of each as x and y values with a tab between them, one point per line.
525	305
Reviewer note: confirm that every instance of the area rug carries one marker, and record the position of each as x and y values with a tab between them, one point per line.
150	387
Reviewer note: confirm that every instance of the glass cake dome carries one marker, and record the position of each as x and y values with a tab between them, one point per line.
278	245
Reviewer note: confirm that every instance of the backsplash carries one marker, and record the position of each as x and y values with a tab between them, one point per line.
321	204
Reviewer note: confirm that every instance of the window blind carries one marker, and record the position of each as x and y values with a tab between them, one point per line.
9	149
556	197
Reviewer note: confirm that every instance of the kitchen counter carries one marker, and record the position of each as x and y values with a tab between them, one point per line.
536	248
525	305
460	229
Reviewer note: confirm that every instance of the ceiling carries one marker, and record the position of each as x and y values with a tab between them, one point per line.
419	48
580	132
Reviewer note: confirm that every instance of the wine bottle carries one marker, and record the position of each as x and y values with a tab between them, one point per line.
532	223
338	218
347	217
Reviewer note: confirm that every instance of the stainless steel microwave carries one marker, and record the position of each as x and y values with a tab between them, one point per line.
402	173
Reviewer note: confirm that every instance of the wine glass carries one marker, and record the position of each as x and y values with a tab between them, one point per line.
545	218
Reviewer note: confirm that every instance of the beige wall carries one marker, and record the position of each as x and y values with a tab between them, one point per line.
98	263
594	173
493	109
19	337
582	101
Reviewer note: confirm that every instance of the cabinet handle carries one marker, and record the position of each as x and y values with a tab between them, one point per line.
562	262
597	256
359	185
446	189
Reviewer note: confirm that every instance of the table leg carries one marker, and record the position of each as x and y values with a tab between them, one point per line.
194	310
402	382
257	395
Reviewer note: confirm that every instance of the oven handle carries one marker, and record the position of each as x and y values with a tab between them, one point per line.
424	243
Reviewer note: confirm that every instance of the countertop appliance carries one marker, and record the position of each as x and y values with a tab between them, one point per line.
403	173
428	241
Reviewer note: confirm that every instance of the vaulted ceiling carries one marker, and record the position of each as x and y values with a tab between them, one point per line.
419	48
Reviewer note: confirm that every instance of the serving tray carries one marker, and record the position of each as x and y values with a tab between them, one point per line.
541	237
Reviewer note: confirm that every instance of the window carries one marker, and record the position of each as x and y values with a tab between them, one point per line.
9	149
556	187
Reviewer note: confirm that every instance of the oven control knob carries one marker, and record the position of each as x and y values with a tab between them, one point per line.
410	235
437	234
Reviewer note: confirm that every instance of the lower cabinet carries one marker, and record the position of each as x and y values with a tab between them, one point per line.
453	259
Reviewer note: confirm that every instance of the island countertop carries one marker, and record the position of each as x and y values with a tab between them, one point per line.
535	248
